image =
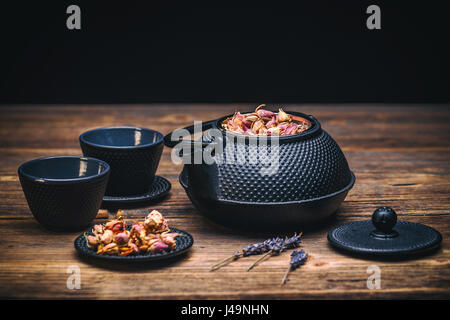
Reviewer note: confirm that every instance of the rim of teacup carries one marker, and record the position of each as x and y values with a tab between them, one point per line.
159	135
34	178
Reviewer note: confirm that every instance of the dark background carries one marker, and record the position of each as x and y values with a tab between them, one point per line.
220	51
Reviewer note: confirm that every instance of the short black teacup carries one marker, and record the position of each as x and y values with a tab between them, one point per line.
64	192
132	152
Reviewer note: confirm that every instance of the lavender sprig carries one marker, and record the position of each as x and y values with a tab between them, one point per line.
277	245
250	250
298	258
272	246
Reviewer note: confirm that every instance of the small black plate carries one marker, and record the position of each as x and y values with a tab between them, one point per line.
159	188
184	242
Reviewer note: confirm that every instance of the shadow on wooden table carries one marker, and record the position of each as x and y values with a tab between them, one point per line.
135	205
416	256
134	266
321	227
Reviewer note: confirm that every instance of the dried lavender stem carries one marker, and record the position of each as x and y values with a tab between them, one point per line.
270	246
298	258
259	260
286	275
222	262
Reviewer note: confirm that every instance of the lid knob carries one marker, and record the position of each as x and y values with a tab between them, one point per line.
384	220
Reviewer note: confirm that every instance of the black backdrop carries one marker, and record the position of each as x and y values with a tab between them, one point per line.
219	51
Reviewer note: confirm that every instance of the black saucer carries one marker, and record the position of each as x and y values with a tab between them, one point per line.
184	241
159	188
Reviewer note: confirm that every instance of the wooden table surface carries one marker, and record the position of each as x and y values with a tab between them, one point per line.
400	155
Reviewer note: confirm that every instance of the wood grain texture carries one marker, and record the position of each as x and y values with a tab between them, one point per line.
400	155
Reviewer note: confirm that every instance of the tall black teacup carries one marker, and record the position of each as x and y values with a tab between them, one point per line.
133	154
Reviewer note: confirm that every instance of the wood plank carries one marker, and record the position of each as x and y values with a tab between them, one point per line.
400	155
327	273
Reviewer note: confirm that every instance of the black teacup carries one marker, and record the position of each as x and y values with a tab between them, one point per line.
64	192
133	154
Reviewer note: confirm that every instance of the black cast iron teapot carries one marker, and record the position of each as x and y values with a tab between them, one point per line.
243	188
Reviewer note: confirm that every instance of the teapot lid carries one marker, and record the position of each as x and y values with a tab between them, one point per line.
384	236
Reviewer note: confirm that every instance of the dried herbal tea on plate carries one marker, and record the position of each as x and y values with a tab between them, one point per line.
114	238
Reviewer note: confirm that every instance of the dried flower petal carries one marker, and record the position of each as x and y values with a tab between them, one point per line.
107	237
158	247
252	117
274	131
261	121
247	123
283	116
92	240
134	247
111	248
98	228
272	123
155	222
121	238
265	113
238	118
257	126
290	129
137	228
115	225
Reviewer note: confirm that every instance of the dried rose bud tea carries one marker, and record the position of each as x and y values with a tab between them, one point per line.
263	122
113	238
